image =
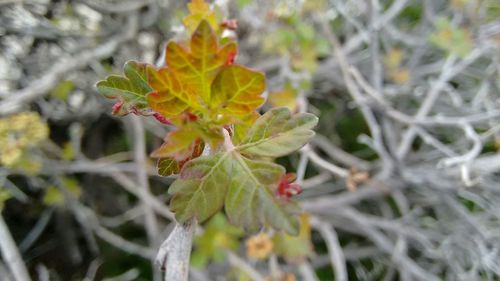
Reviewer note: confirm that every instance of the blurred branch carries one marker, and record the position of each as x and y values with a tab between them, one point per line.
44	84
11	255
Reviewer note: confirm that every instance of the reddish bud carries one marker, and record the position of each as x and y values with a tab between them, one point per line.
286	187
231	24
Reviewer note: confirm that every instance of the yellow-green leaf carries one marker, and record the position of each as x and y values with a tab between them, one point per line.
237	91
129	91
201	187
167	167
247	189
295	248
251	201
53	196
199	11
278	133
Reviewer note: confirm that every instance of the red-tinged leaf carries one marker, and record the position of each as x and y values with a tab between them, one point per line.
129	91
237	90
197	68
199	11
170	97
179	144
278	133
170	166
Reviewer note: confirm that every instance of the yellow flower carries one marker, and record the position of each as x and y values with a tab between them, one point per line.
259	246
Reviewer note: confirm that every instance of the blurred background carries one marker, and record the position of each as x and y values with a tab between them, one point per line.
401	182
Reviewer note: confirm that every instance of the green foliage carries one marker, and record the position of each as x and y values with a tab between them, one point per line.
211	101
62	90
451	39
4	196
295	248
218	236
130	90
53	196
278	133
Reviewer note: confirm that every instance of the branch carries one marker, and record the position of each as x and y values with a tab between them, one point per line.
11	255
337	258
42	85
173	255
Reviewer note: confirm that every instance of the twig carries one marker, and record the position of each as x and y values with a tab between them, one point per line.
337	258
42	85
150	222
316	159
173	255
307	272
244	266
11	255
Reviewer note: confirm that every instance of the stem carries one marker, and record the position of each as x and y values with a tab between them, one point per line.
173	256
11	255
175	252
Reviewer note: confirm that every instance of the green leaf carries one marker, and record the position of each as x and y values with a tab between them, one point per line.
217	237
278	133
62	90
201	187
130	91
252	202
452	39
246	187
53	196
167	167
295	249
4	196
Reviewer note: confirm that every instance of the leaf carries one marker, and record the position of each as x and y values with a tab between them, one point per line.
295	248
185	84
246	187
278	133
198	67
217	237
284	98
62	90
169	97
53	196
450	38
199	11
130	91
179	144
236	91
201	187
167	167
176	151
4	196
251	201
